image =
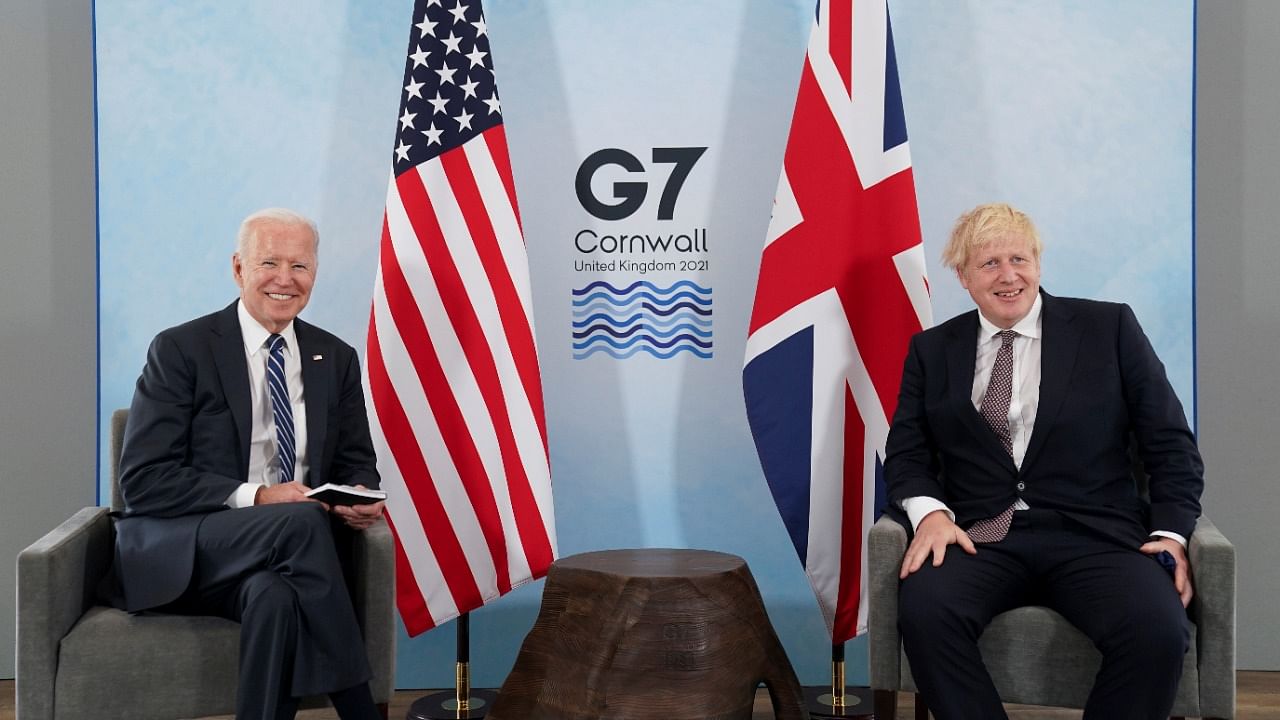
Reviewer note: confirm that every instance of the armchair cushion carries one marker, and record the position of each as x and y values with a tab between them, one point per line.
197	654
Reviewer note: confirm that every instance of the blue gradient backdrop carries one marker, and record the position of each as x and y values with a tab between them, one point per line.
209	109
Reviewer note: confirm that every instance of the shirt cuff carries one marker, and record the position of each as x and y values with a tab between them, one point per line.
1171	535
244	495
919	506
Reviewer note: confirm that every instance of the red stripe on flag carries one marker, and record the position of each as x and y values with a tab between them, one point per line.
453	426
409	598
417	478
533	536
852	532
496	139
514	322
840	45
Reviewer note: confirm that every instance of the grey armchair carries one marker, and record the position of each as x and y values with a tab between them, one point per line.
78	659
1036	657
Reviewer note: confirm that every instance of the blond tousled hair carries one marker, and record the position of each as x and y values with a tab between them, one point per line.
984	224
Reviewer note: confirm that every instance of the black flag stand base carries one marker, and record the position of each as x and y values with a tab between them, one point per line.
836	700
464	703
856	702
446	706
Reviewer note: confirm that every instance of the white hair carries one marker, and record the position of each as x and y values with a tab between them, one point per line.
282	215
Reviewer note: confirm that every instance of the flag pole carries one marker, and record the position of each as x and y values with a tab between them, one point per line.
462	670
463	703
837	676
835	700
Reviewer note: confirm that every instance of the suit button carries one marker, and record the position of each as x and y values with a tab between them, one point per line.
1022	486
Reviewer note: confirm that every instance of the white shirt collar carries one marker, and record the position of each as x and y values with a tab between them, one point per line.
255	336
1028	326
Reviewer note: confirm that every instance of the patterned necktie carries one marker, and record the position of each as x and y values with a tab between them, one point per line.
281	410
995	410
995	404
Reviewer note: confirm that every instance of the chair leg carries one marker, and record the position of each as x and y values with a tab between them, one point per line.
384	709
886	704
922	710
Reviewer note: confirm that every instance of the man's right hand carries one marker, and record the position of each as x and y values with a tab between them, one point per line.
282	493
935	532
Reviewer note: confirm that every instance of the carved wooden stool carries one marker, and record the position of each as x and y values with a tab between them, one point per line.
649	634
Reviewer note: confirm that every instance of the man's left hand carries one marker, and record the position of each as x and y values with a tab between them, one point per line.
359	517
1182	570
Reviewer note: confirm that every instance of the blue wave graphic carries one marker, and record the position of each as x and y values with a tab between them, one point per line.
610	310
593	297
667	321
678	306
684	337
642	317
640	283
704	354
604	328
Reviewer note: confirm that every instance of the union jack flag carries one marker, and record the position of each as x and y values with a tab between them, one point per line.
842	289
451	370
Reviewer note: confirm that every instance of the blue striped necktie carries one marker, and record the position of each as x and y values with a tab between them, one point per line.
281	410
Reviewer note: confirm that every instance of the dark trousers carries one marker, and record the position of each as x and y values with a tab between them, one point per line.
275	570
1121	599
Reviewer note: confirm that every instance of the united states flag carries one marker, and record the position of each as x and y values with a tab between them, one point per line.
842	288
454	395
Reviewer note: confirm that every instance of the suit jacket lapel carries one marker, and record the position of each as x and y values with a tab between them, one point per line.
962	352
227	347
1060	343
315	389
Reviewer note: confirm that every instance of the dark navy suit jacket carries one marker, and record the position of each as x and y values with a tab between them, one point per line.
186	445
1101	388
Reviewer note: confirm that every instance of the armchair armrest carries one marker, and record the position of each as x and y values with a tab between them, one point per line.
886	544
58	576
1213	609
374	559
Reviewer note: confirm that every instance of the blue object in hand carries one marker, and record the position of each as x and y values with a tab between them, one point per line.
1167	562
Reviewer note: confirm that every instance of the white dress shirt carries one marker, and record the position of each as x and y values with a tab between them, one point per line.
264	458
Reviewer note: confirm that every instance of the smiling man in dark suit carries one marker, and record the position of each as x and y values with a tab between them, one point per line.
235	415
1009	459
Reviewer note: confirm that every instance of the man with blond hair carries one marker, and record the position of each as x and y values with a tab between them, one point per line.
1009	459
236	414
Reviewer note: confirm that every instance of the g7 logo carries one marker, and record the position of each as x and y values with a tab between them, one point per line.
630	194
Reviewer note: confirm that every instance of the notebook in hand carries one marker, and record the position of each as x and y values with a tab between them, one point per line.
334	494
